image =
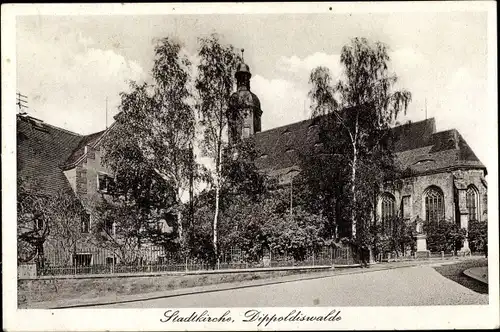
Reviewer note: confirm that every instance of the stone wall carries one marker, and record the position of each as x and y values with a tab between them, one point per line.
416	188
446	181
464	179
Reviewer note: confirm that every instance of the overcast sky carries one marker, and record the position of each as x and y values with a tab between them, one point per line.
68	65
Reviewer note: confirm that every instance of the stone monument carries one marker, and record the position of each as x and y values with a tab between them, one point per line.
421	239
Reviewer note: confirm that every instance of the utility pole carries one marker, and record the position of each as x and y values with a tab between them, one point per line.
21	101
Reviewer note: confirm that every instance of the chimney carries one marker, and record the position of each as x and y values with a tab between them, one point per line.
455	138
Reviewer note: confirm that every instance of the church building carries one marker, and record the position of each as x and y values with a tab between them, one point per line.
446	180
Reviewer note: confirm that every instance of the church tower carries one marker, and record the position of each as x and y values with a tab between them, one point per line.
244	113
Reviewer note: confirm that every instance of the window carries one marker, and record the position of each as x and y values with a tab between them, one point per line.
246	132
434	206
85	219
471	203
388	211
109	227
110	260
104	182
485	203
82	259
405	207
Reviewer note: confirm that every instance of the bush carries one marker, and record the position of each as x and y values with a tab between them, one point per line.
444	236
478	235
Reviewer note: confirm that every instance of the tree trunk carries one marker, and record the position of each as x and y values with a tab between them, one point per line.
217	199
179	221
353	175
353	190
216	217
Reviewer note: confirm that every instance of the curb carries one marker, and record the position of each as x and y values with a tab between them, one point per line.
475	273
110	300
181	273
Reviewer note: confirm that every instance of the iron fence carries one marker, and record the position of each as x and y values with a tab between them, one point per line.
152	259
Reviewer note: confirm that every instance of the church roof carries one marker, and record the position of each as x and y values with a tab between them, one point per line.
43	150
243	97
417	147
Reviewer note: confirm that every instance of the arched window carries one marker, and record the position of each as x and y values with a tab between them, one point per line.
388	211
471	202
434	205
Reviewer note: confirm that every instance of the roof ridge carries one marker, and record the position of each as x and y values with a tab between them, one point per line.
287	125
410	123
28	117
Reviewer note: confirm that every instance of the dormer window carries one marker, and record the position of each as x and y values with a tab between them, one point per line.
312	128
424	161
38	124
104	183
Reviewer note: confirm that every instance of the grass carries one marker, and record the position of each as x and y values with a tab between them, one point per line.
455	272
30	291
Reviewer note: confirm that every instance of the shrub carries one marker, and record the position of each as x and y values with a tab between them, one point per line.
478	235
444	236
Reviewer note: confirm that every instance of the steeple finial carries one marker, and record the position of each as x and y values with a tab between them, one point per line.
242	57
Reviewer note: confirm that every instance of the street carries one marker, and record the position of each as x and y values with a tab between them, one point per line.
410	286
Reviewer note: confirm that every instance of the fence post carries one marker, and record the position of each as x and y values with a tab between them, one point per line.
442	254
313	257
186	264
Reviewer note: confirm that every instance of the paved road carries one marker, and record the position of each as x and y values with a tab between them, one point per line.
410	286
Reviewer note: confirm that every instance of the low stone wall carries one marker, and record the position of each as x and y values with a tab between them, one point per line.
50	289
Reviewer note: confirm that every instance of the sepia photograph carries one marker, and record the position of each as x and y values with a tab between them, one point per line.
250	166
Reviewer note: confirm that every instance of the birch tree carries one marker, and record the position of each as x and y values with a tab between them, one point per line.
215	83
361	105
155	130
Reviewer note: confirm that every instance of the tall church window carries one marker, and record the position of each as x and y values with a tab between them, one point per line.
388	211
434	205
471	202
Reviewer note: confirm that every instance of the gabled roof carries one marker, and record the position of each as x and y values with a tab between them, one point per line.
79	151
417	146
43	150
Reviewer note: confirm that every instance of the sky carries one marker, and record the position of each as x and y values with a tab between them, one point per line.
68	66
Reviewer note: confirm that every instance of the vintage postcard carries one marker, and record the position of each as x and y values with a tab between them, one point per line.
240	166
